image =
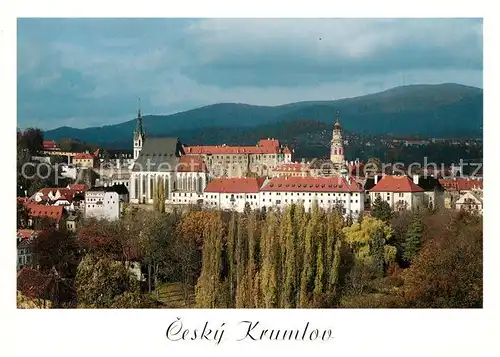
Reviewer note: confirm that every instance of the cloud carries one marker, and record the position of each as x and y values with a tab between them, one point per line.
84	72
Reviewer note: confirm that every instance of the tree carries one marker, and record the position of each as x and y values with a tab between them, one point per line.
448	271
31	140
290	272
360	237
56	249
208	287
411	245
100	282
269	259
381	210
377	252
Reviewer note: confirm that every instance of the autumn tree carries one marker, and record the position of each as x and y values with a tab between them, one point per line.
448	271
100	282
208	287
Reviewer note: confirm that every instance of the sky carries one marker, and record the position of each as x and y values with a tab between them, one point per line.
91	72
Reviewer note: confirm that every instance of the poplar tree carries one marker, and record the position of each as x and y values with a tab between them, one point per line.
155	196
290	278
269	281
377	252
230	248
334	274
411	245
241	256
309	262
161	195
318	283
208	287
252	260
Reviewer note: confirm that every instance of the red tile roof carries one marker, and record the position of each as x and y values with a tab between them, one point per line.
26	233
188	163
54	212
311	184
287	150
235	185
263	147
49	145
78	187
391	183
292	167
461	184
83	155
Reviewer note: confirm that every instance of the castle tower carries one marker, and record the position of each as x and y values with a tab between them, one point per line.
337	144
139	135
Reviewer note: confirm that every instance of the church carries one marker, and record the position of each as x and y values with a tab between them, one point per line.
163	159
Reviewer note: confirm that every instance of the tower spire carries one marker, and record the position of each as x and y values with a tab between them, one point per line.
139	131
337	121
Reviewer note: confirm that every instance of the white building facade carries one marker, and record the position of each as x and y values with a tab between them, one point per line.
102	205
400	192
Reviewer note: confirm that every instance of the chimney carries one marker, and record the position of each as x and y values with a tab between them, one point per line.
415	179
376	179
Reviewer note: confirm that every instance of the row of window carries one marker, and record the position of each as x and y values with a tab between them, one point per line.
310	194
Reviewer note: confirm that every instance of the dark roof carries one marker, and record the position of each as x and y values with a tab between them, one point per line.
430	184
120	189
159	154
370	182
321	164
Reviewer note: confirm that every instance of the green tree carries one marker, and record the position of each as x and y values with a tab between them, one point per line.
100	282
411	245
269	258
290	272
319	283
381	210
377	252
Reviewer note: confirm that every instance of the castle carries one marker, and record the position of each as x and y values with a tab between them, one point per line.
186	170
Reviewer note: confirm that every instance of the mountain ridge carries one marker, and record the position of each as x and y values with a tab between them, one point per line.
426	110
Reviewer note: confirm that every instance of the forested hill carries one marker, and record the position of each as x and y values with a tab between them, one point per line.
445	110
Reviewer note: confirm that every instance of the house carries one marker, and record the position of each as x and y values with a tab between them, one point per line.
85	159
433	191
50	145
327	192
233	193
470	201
399	191
25	238
41	215
72	222
102	204
456	187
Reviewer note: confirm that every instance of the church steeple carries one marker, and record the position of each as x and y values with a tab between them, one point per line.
139	132
139	135
337	143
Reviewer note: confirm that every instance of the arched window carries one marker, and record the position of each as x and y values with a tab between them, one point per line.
190	184
167	191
